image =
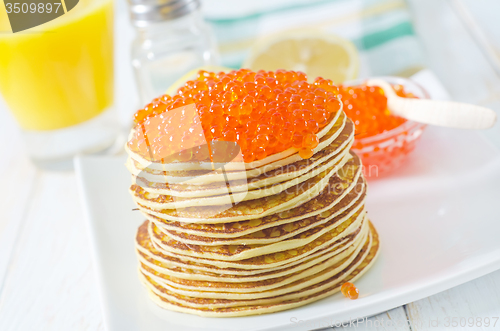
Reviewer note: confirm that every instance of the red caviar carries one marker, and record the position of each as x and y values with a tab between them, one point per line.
367	107
264	112
349	291
382	140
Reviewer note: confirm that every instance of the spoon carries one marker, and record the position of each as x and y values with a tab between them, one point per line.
442	113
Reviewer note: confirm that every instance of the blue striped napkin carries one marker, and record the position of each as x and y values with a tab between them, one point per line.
381	29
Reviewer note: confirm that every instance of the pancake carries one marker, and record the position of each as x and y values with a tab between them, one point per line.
251	209
281	230
160	201
273	260
338	187
260	288
155	262
298	169
331	230
228	308
214	182
167	260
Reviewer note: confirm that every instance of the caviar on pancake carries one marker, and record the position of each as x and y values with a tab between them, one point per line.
264	112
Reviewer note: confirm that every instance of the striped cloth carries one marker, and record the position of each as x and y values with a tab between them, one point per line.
381	29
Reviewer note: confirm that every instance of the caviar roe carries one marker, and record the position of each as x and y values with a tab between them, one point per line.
367	107
349	291
264	112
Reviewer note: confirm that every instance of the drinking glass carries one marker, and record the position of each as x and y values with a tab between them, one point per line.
57	80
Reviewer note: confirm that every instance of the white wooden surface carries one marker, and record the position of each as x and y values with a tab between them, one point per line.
46	274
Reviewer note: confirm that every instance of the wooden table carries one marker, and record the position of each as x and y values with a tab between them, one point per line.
46	273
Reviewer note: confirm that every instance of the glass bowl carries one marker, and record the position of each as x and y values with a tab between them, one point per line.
385	152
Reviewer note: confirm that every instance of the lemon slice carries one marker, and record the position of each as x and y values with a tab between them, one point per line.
313	52
192	75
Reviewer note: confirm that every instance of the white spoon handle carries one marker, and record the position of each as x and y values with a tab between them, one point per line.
442	113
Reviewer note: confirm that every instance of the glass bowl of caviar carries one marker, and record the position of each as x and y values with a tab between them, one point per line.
383	141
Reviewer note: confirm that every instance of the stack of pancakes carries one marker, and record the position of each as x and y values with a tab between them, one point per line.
272	235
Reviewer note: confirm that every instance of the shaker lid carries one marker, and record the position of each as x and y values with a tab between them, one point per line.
144	12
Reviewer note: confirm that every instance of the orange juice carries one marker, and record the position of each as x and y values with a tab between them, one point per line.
60	73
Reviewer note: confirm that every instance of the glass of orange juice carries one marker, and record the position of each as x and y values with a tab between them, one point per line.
57	80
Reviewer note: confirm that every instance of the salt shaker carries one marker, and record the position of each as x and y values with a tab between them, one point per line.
172	39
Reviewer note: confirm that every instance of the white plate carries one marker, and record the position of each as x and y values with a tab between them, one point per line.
438	220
